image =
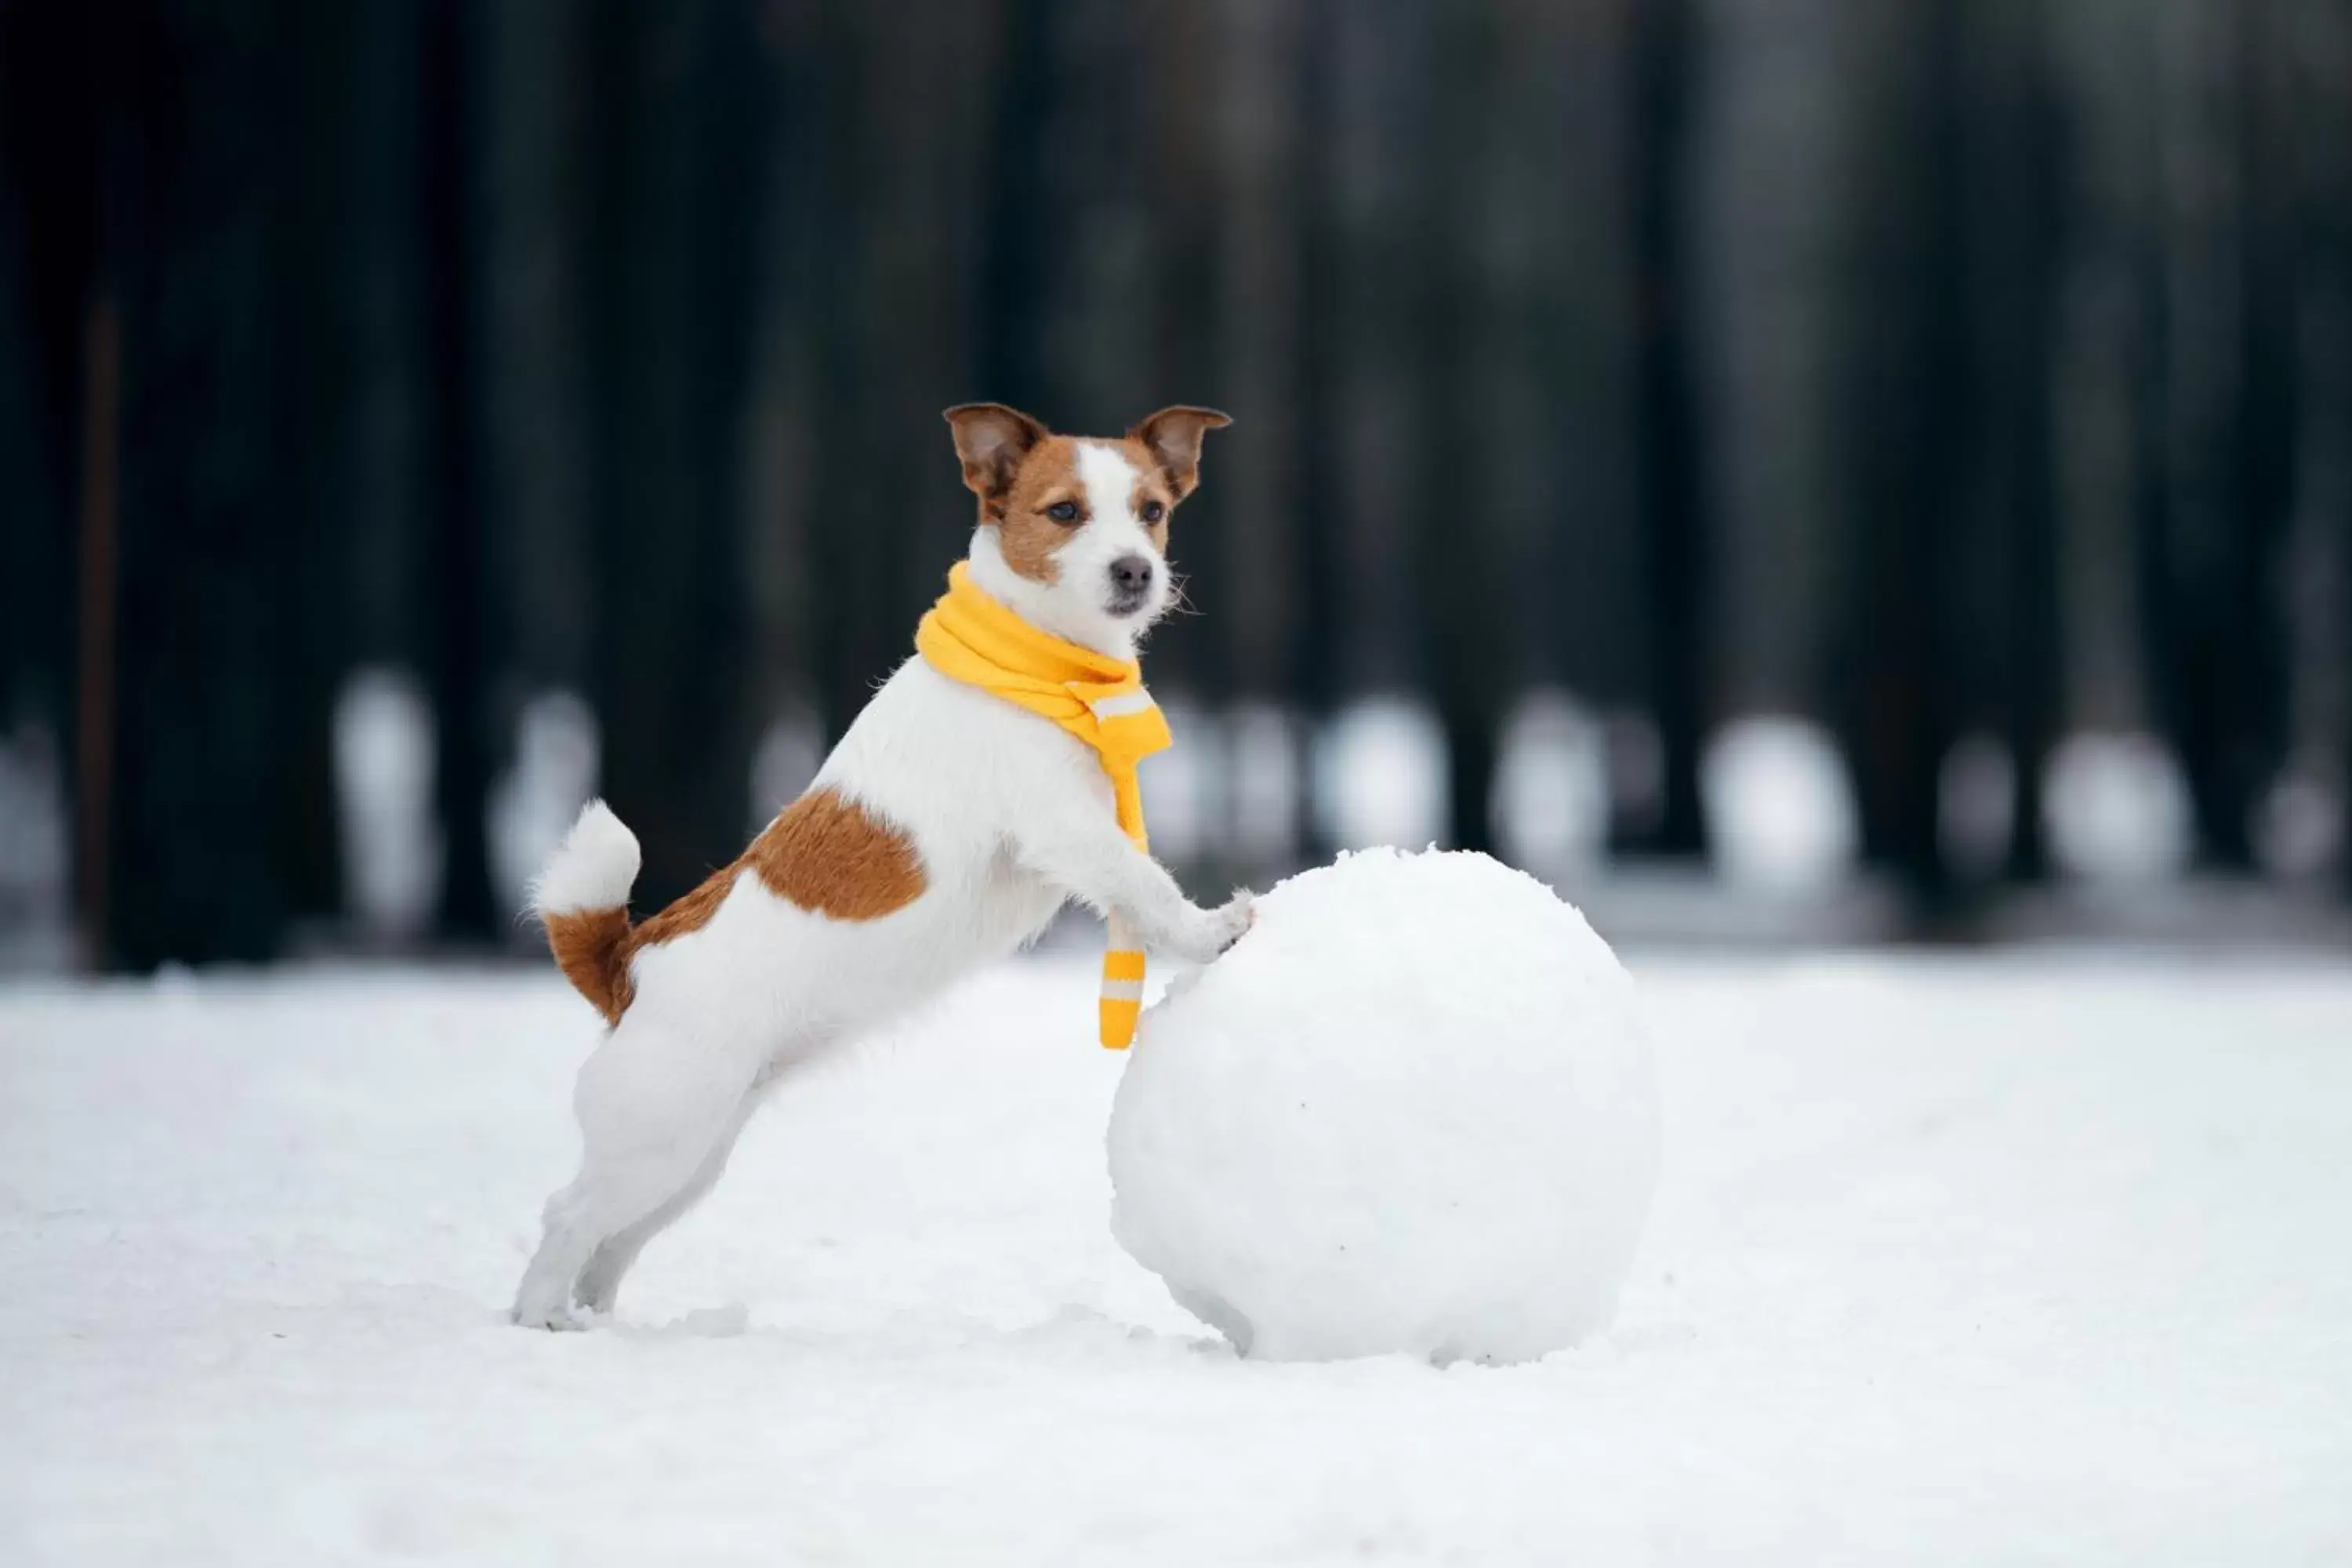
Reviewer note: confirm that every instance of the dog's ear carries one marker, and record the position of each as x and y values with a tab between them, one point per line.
991	439
1172	437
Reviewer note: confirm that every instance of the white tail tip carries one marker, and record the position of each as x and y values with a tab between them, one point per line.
593	869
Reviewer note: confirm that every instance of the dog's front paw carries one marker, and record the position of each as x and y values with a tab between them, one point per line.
1212	931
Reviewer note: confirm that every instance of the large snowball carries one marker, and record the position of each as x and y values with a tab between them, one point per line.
1413	1110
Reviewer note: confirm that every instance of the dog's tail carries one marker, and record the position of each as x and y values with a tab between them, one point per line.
582	900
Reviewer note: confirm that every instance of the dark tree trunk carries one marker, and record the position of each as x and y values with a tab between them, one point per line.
314	258
1009	319
1668	462
459	650
1907	393
2015	167
1315	680
1188	214
1453	534
531	116
2266	418
665	245
203	518
2217	441
2328	291
60	318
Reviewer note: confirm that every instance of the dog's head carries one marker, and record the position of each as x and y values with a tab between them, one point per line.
1073	529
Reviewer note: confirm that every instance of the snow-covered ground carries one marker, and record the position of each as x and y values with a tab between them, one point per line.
1953	1261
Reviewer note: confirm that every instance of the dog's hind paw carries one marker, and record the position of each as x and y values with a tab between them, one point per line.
560	1320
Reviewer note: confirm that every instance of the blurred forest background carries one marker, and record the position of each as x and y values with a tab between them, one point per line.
1889	457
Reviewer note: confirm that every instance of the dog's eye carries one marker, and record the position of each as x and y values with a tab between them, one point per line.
1153	511
1062	511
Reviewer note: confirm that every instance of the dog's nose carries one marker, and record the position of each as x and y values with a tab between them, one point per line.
1130	575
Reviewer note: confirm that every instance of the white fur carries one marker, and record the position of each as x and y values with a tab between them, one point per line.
593	869
1010	815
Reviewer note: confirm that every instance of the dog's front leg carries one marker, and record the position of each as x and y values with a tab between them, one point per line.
1100	864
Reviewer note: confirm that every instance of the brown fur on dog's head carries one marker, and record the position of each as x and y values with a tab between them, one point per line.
1170	441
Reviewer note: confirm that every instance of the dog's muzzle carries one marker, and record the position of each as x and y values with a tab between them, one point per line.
1130	585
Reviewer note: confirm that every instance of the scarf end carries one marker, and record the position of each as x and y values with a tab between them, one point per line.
1122	998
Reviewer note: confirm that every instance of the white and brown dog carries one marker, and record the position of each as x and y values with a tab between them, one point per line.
943	832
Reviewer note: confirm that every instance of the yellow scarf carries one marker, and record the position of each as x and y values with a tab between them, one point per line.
972	638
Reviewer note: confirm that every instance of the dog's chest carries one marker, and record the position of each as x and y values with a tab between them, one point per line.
1017	903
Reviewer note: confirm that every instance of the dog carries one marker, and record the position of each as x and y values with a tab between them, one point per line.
942	833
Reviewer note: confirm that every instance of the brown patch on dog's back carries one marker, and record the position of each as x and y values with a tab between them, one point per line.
831	856
824	853
689	912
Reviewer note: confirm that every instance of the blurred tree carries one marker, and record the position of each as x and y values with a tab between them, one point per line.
2013	161
666	248
2324	49
1457	543
460	649
1573	143
195	164
1906	367
1238	328
1670	455
1376	247
1315	683
528	189
2220	420
313	387
894	224
50	288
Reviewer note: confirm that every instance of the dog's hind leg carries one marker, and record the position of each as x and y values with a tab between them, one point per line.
600	1281
653	1112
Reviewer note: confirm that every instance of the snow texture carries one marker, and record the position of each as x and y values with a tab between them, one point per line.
593	869
1965	1261
1412	1112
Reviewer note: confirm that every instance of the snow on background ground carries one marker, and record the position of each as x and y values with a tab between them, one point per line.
1960	1262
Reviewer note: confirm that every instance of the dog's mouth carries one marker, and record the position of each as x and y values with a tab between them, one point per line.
1126	601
